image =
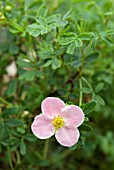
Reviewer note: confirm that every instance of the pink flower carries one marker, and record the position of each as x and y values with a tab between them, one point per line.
58	119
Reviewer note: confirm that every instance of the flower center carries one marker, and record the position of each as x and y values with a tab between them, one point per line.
58	122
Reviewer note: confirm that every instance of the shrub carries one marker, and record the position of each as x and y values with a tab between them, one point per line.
60	49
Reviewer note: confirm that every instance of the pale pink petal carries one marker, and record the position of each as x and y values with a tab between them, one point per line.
73	115
52	106
67	136
42	127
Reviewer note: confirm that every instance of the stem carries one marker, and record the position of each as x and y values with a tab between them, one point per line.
45	149
39	155
4	101
87	83
80	84
83	58
81	71
9	159
18	157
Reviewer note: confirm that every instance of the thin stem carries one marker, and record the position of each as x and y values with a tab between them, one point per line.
39	155
4	101
46	149
81	72
87	83
9	159
83	58
18	157
80	84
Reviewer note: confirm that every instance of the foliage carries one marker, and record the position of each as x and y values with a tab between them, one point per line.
63	49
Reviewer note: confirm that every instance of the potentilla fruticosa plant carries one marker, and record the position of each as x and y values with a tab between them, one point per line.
53	69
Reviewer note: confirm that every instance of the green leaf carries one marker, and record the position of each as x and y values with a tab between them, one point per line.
14	122
78	42
108	40
24	63
70	34
109	13
14	140
42	10
67	40
34	29
38	73
35	33
99	87
48	63
42	163
21	129
13	48
15	25
40	20
22	148
15	132
91	57
60	51
81	141
67	58
10	111
86	90
107	32
67	15
27	75
73	147
45	54
70	49
78	27
27	4
86	119
89	107
12	88
56	63
15	143
99	100
34	26
85	36
3	47
44	30
53	18
86	127
30	137
56	18
3	133
76	62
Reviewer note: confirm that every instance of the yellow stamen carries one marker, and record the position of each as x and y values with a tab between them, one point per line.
58	122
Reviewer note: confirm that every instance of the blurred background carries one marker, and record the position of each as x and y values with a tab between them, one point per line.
36	63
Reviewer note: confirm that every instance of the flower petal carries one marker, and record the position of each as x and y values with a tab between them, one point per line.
73	115
42	127
67	136
52	106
